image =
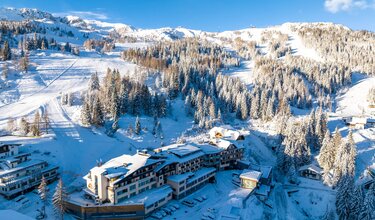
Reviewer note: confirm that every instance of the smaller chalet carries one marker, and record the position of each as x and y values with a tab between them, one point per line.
355	122
225	133
250	179
311	171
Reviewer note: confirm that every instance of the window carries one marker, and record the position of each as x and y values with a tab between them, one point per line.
132	187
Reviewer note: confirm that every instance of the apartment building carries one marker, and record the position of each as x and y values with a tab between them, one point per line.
122	178
19	173
183	167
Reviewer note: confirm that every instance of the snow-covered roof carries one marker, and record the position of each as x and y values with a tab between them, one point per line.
311	167
224	132
21	166
224	144
357	120
181	150
190	176
150	197
251	175
180	177
177	153
210	149
123	165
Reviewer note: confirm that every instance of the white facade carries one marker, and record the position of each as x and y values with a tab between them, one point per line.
19	173
124	177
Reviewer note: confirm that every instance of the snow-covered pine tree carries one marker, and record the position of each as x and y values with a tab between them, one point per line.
58	200
85	112
94	82
326	157
35	128
46	120
357	202
212	110
137	126
244	107
6	52
344	197
255	102
123	99
310	136
43	194
320	127
337	140
115	111
24	126
367	211
97	114
351	153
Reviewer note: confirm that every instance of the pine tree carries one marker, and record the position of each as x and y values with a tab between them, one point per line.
115	112
327	153
58	200
97	115
345	191
6	52
35	128
24	63
337	140
137	126
357	202
244	107
85	112
43	194
351	153
46	121
24	126
94	82
321	126
212	111
367	211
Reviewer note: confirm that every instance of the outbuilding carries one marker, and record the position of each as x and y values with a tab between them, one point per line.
311	171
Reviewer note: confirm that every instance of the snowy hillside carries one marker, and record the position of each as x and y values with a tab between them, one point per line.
53	73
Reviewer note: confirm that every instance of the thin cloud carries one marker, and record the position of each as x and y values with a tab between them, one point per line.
83	14
335	6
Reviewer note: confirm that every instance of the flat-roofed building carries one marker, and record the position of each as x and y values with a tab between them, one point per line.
19	173
185	184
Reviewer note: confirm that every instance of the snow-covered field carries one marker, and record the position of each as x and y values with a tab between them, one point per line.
76	149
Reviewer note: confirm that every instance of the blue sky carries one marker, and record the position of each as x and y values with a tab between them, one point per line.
211	15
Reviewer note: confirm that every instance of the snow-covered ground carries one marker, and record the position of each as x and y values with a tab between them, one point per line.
77	149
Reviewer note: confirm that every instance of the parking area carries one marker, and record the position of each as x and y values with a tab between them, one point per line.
213	201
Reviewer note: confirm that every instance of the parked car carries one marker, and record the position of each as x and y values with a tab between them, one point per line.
208	215
188	203
176	206
157	215
198	199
